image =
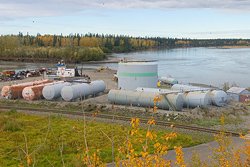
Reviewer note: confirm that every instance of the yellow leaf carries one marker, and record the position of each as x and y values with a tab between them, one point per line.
144	154
149	135
151	122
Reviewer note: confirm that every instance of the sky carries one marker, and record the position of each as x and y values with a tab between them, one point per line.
196	19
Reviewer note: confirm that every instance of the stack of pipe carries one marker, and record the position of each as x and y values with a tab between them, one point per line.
15	91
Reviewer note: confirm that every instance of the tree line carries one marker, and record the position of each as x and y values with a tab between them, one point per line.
87	47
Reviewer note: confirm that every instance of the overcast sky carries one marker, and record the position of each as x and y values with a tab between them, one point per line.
164	18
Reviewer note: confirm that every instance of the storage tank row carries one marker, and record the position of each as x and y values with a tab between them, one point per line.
15	91
170	99
194	97
132	75
53	90
35	92
208	95
191	99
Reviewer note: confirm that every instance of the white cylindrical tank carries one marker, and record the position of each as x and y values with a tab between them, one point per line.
82	90
195	99
146	99
168	80
97	86
70	93
137	74
53	91
219	97
181	87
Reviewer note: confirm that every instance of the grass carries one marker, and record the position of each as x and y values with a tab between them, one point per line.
216	121
48	104
47	134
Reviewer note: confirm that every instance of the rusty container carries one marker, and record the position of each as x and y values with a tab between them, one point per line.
35	92
15	91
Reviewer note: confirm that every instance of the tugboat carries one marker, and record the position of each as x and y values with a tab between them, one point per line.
62	71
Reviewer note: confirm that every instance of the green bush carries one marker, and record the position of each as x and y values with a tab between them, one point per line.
69	54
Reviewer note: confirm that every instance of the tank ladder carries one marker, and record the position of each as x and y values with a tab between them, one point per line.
170	105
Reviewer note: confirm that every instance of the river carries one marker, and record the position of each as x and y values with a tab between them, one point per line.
211	66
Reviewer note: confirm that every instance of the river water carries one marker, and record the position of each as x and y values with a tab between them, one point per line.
211	66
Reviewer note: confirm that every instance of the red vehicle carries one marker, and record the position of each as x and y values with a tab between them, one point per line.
244	98
8	73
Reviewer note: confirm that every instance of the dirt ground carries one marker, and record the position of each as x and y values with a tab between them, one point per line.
105	74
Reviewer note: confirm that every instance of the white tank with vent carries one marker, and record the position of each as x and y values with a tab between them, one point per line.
219	98
97	87
197	99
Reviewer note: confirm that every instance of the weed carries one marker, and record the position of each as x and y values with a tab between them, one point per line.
11	125
45	136
12	111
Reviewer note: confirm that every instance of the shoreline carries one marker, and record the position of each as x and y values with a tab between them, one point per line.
232	47
110	58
